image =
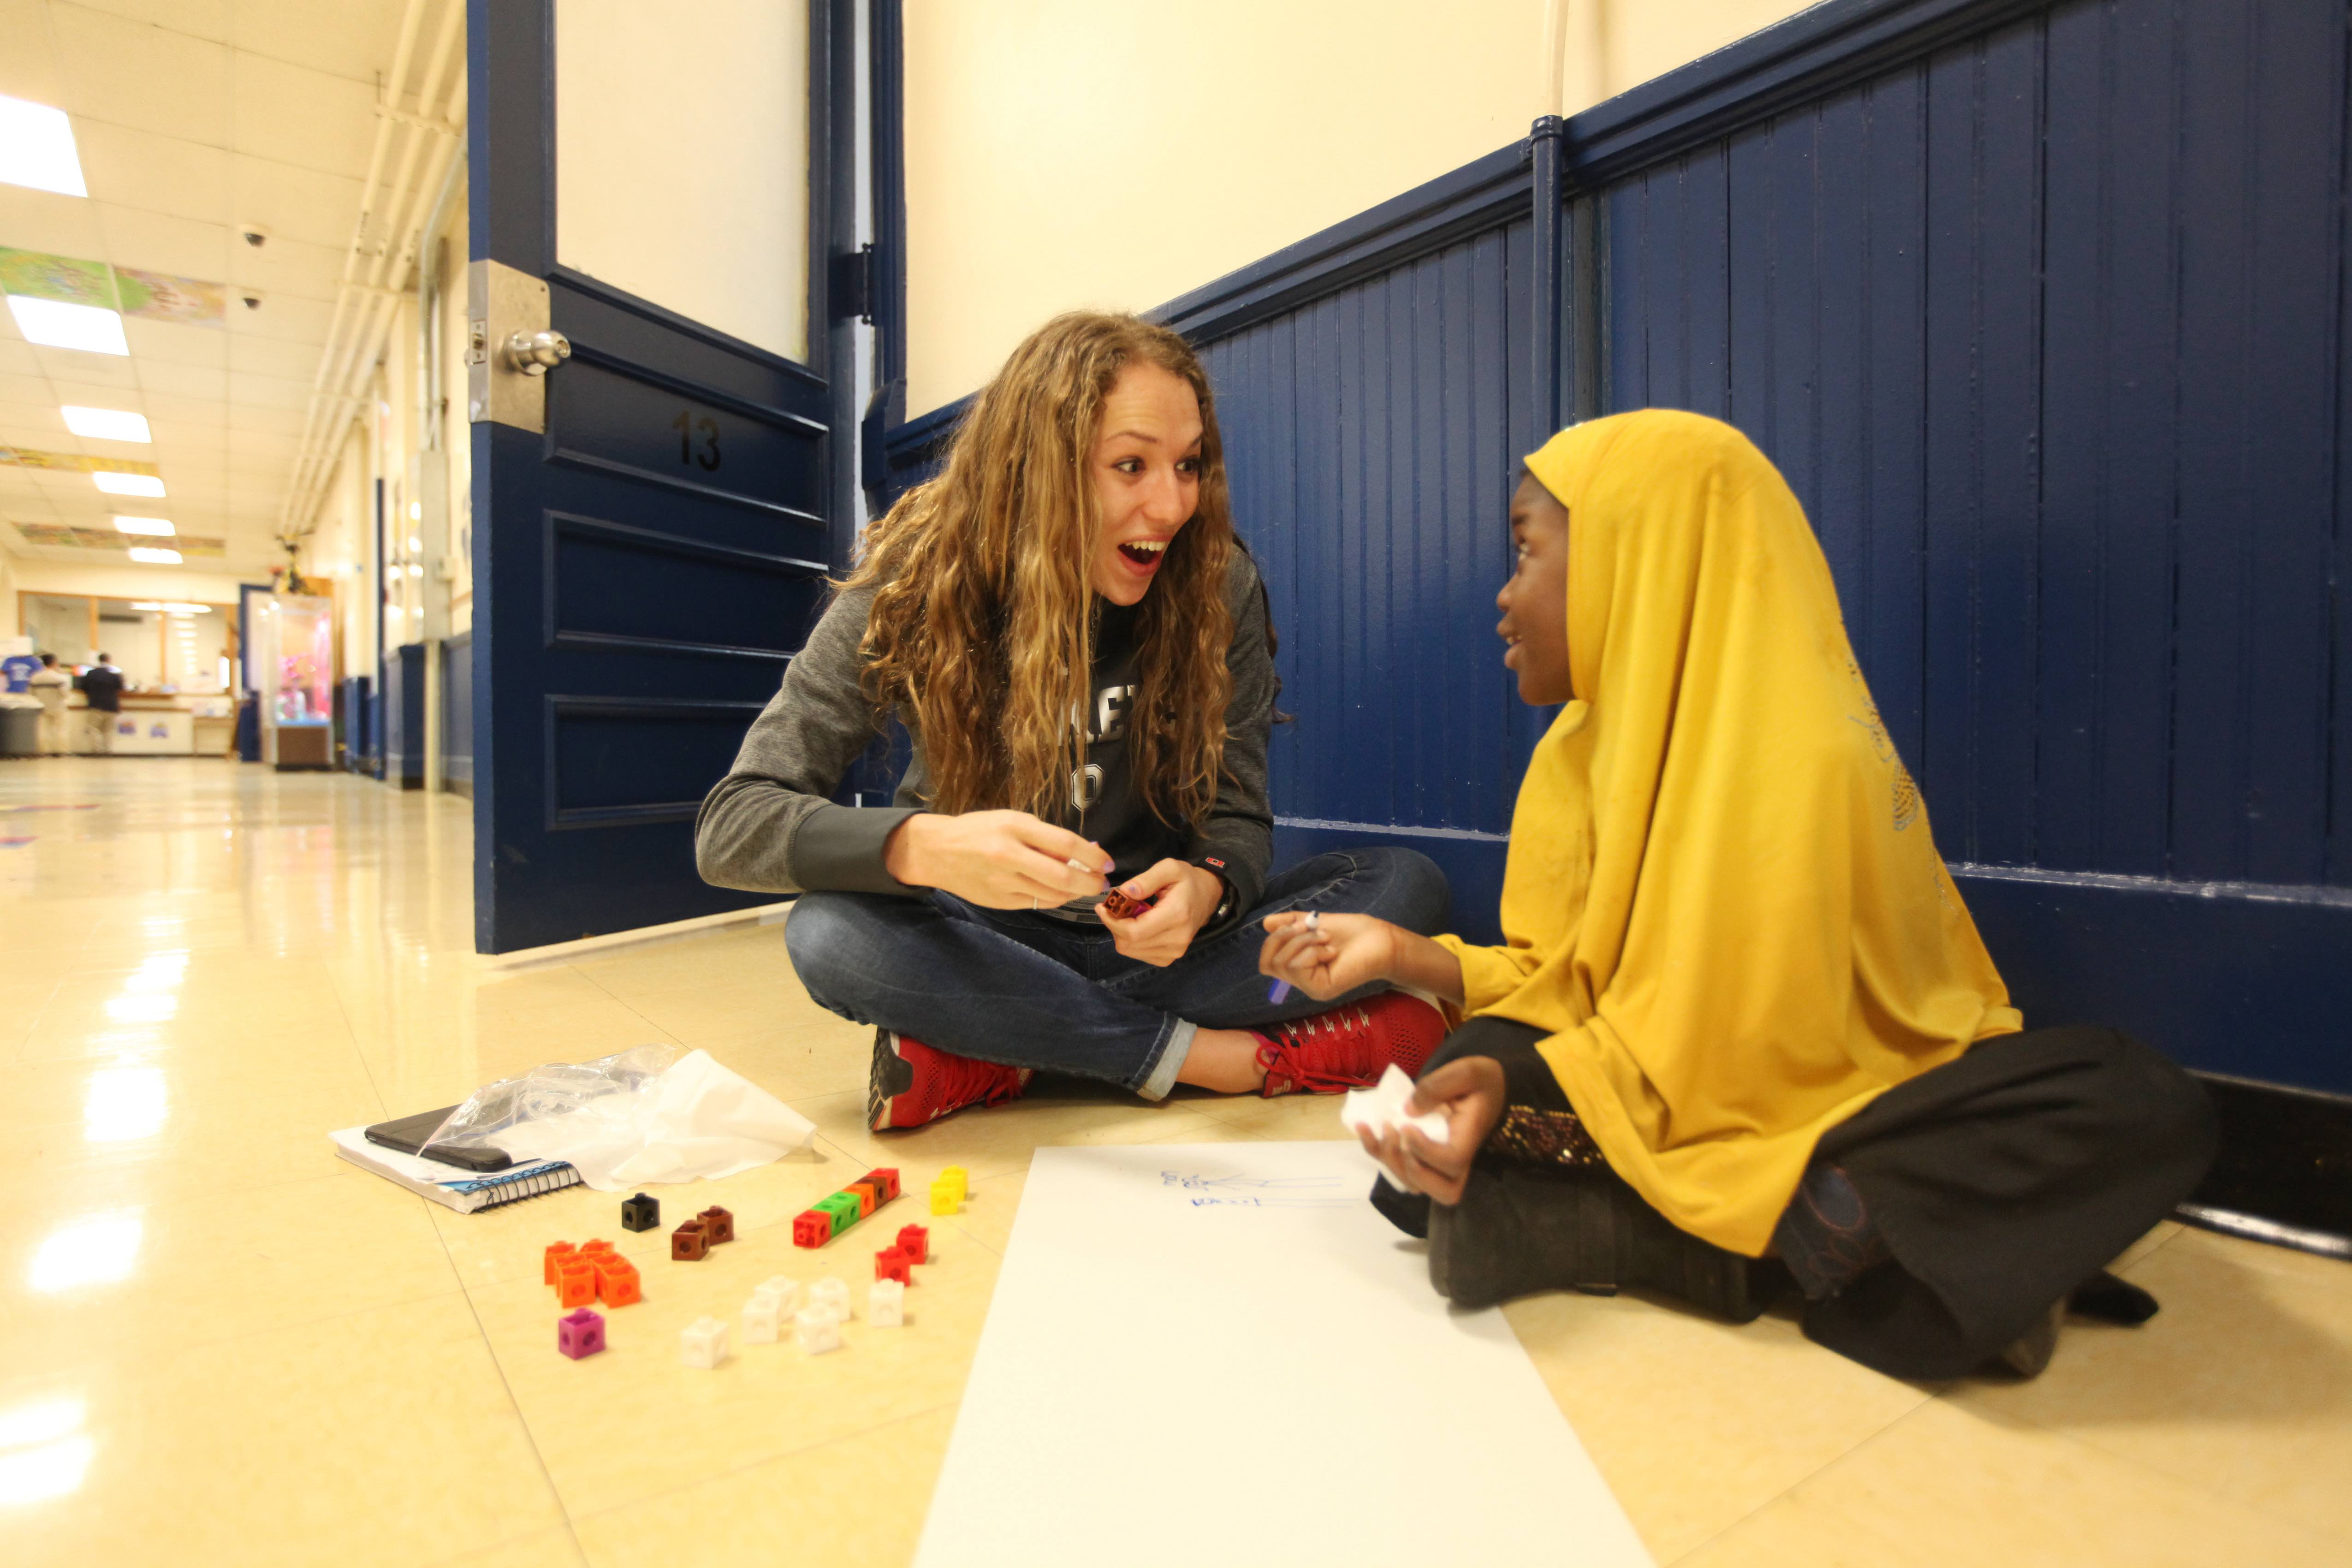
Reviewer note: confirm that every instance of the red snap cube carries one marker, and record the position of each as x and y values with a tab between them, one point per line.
810	1228
890	1263
915	1241
885	1179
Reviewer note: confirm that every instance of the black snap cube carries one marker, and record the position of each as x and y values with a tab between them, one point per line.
640	1212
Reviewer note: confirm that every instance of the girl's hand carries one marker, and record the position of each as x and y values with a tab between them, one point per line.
1335	954
1472	1086
998	859
1185	895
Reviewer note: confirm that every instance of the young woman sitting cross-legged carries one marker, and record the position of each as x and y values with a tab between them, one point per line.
1742	1031
1080	650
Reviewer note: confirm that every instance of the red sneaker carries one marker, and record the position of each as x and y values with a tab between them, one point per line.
1349	1046
914	1083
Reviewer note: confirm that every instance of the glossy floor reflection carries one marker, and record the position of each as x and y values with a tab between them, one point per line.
222	1345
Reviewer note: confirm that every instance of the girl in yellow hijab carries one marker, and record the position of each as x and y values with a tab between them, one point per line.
1742	1030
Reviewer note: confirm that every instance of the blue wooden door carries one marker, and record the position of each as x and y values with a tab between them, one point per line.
654	514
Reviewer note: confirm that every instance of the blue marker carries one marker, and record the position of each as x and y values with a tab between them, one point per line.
1281	992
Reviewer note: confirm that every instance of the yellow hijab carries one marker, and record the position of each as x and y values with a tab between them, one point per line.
1722	903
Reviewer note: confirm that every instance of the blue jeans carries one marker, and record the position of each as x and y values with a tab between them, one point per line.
1031	991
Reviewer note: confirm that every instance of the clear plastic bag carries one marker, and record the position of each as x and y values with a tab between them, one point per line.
648	1114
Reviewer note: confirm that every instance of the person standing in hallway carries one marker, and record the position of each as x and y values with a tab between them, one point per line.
101	688
51	684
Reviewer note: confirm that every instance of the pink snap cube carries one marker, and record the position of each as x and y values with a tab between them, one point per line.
580	1333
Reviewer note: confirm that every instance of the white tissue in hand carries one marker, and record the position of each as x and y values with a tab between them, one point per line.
1387	1106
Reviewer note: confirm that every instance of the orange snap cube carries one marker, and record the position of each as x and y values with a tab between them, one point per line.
575	1284
558	1253
617	1282
588	1247
864	1194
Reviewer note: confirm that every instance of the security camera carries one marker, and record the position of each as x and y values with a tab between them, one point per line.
254	235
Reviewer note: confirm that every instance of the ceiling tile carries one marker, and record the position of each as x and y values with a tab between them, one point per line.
174	342
203	18
29	67
266	391
354	39
94	393
16	357
87	369
159	242
302	204
44	220
180	381
142	75
17	388
18	430
161	174
303	116
261	420
270	356
285	317
288	267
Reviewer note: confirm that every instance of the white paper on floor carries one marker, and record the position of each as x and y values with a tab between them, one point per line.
1220	1352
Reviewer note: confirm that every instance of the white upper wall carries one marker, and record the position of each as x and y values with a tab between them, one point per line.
1065	153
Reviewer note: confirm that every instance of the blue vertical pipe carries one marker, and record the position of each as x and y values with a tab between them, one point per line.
1546	155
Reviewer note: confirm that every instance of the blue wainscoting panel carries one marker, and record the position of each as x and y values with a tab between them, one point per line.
1374	438
2046	325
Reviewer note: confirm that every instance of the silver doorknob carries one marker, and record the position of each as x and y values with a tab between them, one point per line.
536	354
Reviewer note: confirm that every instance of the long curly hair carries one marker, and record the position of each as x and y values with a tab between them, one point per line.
982	627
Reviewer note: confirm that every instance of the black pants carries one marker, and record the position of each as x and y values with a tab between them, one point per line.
2001	1181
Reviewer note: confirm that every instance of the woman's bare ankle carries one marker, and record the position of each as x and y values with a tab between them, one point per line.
1223	1061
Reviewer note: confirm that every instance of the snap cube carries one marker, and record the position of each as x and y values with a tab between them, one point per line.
718	1224
886	1303
575	1284
892	1263
760	1316
812	1227
962	1181
944	1198
590	1248
689	1243
580	1333
830	1294
915	1241
817	1331
884	1180
703	1343
784	1291
557	1254
844	1209
868	1198
640	1212
617	1281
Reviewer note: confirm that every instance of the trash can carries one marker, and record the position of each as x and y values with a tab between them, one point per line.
20	726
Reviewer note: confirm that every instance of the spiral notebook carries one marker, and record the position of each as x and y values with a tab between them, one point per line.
463	1191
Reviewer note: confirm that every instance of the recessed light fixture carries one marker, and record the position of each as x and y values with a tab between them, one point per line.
159	527
36	148
106	424
54	324
146	485
155	557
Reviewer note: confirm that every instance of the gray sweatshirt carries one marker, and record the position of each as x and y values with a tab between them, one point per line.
770	827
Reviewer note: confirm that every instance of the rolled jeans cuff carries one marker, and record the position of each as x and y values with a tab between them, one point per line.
1162	1077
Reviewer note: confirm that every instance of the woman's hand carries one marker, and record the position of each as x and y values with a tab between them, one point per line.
1334	954
1182	898
998	859
1472	1088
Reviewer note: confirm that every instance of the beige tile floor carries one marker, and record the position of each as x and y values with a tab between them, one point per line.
218	1345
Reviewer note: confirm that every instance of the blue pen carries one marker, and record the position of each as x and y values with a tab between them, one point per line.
1281	992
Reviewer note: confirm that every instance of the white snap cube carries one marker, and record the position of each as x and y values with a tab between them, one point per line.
831	1295
817	1329
760	1316
784	1291
885	1304
703	1343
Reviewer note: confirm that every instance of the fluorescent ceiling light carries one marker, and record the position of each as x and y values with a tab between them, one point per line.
177	608
36	148
106	423
159	527
54	324
155	557
147	604
146	485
